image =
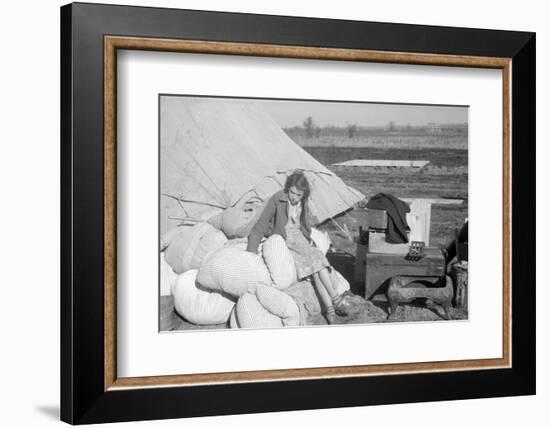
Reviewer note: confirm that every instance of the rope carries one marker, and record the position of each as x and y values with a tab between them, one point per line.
284	171
193	202
345	231
184	219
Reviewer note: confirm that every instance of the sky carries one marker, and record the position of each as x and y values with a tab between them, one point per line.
293	113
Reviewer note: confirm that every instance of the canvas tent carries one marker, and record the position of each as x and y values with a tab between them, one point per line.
215	152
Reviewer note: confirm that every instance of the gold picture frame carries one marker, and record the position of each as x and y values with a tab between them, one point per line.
113	43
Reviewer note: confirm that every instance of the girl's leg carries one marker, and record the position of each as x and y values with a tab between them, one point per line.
330	300
326	299
327	282
340	302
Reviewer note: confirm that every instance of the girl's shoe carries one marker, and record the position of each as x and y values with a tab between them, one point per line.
332	318
345	304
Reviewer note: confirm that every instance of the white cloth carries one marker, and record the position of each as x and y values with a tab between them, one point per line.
294	213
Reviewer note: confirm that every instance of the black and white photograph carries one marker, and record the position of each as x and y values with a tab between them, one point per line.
298	213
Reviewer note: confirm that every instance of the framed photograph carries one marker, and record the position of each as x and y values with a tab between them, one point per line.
274	213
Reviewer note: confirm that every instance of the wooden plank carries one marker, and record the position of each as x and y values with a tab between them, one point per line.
384	163
435	201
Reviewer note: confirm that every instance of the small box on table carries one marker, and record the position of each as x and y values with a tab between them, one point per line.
377	219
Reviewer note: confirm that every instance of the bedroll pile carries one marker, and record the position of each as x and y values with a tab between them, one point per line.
268	307
279	262
186	247
237	221
240	243
167	276
197	304
220	282
233	271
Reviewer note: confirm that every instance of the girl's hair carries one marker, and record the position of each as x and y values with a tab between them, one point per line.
298	180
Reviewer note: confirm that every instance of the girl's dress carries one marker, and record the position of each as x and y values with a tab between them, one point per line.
307	258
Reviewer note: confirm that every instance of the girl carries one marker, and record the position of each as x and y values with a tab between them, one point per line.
287	214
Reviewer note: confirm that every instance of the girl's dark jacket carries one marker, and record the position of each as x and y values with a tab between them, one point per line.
274	218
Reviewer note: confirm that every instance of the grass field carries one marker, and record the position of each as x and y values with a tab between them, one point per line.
386	140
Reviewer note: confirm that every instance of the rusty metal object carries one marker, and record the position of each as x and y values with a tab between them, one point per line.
459	274
405	289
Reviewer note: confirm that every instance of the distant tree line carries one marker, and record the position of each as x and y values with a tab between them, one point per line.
310	129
